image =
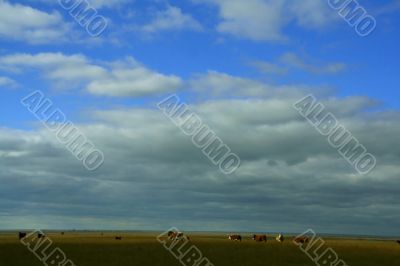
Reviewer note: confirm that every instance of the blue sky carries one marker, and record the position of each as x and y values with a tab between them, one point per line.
212	53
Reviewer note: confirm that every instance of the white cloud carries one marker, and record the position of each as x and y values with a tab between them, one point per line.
268	68
289	61
255	19
133	80
126	78
312	13
172	18
108	3
7	82
294	61
93	3
223	85
20	22
265	20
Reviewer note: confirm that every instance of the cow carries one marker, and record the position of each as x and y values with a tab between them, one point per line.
398	242
301	240
118	238
173	235
280	238
21	235
260	238
40	235
62	233
235	237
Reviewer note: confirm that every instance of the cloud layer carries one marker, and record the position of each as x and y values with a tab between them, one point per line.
154	177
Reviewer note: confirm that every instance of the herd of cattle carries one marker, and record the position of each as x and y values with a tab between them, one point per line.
173	235
263	238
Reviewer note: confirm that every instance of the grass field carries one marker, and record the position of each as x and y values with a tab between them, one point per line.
143	249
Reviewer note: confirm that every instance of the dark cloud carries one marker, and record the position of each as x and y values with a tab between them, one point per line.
154	177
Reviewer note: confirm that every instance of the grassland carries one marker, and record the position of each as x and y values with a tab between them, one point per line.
143	249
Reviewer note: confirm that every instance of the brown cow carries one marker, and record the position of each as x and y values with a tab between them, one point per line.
172	235
260	238
235	237
301	240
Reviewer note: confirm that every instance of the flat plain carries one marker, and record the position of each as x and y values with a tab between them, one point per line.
96	249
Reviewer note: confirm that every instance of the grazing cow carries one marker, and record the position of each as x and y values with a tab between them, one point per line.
62	233
118	238
235	237
398	242
40	235
280	238
301	240
21	235
260	238
172	235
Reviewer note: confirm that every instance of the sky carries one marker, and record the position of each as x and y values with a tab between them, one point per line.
240	66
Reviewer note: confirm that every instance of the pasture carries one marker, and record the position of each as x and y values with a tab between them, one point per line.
94	249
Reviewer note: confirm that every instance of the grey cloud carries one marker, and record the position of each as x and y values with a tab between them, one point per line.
154	177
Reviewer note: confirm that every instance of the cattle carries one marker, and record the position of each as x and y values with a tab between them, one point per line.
62	233
301	240
118	238
280	238
172	235
235	237
21	235
260	238
40	235
398	242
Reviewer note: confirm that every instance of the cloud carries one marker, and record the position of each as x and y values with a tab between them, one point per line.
108	3
6	82
254	19
134	80
289	61
294	61
171	18
312	14
268	68
93	3
222	85
154	177
265	20
125	78
24	23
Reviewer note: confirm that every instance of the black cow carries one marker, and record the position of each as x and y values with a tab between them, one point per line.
118	238
398	242
21	235
40	235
